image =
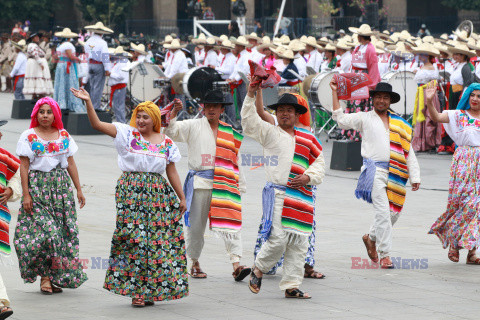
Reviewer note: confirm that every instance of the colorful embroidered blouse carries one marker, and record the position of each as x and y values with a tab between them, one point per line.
463	128
46	155
135	154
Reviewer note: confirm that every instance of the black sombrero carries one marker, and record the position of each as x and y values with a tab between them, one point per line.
215	97
386	87
289	100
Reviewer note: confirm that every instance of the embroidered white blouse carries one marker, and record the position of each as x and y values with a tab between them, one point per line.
46	155
135	154
463	128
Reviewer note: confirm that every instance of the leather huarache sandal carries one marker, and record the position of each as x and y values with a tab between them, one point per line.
255	282
46	286
371	248
386	263
5	312
311	273
296	294
473	259
241	273
138	302
197	273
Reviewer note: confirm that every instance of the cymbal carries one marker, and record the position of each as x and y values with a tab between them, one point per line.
307	82
177	81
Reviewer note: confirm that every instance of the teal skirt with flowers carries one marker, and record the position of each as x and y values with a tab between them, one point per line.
147	258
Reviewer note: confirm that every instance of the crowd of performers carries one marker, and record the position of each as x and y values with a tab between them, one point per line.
161	224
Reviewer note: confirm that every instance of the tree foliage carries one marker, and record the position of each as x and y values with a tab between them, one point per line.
462	4
21	10
110	12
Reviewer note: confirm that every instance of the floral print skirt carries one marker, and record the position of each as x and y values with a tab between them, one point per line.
46	240
459	225
355	106
147	258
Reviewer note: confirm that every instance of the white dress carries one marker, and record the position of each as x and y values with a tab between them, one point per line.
37	80
424	76
463	128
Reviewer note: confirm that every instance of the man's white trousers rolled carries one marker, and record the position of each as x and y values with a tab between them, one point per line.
381	229
198	221
294	246
3	294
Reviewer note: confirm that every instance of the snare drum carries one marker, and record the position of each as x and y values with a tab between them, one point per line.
142	81
320	92
402	82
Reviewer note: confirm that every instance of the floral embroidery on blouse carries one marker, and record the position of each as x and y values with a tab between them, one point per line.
464	121
43	148
141	146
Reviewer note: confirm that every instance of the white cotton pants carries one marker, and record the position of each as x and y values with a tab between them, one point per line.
3	294
294	246
381	229
198	221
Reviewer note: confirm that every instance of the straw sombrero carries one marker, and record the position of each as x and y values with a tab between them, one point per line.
461	35
242	41
426	48
138	48
311	41
323	41
461	47
175	44
442	48
168	39
296	45
66	33
119	52
265	44
99	28
329	47
202	39
474	45
211	41
253	36
287	54
364	30
343	44
226	44
22	45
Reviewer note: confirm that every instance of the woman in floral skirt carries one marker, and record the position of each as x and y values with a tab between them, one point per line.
46	237
459	227
147	258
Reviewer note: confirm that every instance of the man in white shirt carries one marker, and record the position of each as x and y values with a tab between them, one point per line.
298	48
178	62
345	57
96	49
118	82
201	137
225	69
382	181
286	181
241	65
18	71
138	52
314	57
211	57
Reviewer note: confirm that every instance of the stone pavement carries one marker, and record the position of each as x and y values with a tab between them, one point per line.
437	289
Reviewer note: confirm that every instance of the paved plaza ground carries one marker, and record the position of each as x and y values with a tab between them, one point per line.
434	289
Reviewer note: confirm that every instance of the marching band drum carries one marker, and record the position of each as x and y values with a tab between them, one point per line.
404	84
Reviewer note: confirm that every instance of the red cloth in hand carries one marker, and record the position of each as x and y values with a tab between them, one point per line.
166	111
267	78
352	86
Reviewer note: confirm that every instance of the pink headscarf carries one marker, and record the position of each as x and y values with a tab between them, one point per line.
57	122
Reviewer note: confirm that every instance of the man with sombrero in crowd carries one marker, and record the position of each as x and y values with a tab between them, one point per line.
99	66
118	81
213	184
241	66
388	162
18	71
298	48
288	210
313	56
199	43
225	68
255	41
138	52
211	57
344	62
10	190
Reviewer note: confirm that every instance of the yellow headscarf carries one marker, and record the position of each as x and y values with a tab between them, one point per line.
152	110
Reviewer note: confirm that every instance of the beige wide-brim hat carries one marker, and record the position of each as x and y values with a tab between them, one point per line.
329	47
99	28
22	44
119	52
343	44
426	48
242	41
462	35
461	47
323	41
202	39
284	39
364	30
383	35
296	45
253	36
399	49
265	44
428	39
223	37
66	33
279	50
287	54
175	44
168	39
474	45
311	41
138	48
211	41
442	48
226	44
